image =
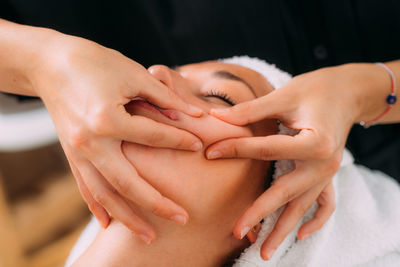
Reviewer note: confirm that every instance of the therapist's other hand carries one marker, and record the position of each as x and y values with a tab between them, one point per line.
85	87
323	105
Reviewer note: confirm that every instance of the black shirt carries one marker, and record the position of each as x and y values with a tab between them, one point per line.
297	36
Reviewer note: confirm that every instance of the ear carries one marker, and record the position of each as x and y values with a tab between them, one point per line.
252	234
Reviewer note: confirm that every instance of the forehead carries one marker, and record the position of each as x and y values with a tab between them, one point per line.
205	70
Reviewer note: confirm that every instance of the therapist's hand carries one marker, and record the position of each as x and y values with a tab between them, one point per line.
323	105
85	87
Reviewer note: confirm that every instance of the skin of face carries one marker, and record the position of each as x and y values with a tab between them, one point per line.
214	192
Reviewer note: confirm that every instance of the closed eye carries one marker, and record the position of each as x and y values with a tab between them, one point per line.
221	95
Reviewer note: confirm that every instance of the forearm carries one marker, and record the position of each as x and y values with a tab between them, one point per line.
21	48
374	85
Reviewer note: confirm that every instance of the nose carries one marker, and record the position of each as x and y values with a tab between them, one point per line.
163	74
180	85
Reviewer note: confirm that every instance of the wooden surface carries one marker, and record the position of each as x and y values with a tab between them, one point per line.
11	251
41	211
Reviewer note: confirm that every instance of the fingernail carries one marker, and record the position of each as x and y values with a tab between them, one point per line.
179	219
214	154
146	239
196	110
244	231
103	224
304	236
219	111
270	254
196	146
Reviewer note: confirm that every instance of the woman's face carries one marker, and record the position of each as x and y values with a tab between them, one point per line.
207	189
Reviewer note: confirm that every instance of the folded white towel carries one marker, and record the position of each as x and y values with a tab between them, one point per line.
363	231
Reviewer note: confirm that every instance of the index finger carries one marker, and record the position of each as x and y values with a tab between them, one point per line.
268	106
145	131
286	188
271	147
119	172
163	96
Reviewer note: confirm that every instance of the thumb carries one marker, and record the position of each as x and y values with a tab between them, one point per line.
272	105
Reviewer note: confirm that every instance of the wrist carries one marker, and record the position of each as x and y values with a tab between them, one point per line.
371	86
43	58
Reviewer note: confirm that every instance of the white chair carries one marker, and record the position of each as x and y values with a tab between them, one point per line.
24	125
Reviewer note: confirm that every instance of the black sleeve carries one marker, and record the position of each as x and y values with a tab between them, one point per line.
7	12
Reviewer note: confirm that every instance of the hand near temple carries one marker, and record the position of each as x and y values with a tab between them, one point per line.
323	105
85	88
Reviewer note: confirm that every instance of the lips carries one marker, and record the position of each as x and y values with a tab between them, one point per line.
141	103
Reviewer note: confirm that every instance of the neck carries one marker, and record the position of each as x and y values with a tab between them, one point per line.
177	245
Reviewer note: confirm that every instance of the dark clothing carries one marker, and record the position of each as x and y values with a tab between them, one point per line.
297	36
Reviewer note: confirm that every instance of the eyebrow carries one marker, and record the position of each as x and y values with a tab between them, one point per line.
223	74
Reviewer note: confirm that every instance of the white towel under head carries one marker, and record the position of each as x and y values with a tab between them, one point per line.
363	231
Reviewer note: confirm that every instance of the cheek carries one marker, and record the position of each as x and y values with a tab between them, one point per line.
244	180
199	185
232	186
181	174
217	183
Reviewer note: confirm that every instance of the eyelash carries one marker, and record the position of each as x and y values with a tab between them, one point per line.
221	95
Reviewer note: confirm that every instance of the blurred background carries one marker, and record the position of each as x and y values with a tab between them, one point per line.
41	210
